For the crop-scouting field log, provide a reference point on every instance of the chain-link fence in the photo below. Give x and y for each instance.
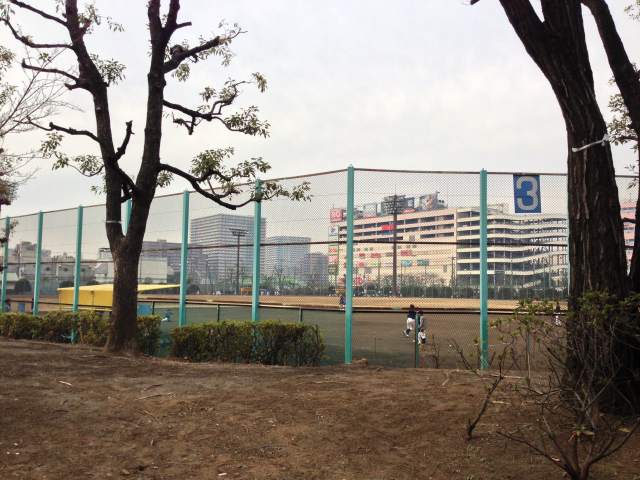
(417, 241)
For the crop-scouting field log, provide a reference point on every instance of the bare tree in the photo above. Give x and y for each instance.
(208, 174)
(37, 97)
(570, 427)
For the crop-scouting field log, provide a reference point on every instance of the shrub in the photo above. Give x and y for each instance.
(20, 326)
(270, 343)
(148, 334)
(91, 328)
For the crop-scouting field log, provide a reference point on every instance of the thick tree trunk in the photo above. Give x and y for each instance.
(596, 240)
(126, 257)
(629, 86)
(122, 336)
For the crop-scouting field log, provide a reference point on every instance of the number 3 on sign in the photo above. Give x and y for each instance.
(526, 193)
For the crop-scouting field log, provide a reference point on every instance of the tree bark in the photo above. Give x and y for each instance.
(629, 85)
(122, 335)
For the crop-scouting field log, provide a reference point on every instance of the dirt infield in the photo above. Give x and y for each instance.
(358, 302)
(70, 412)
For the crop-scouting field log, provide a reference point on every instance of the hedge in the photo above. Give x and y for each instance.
(90, 327)
(266, 342)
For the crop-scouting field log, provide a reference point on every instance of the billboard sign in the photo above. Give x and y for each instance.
(332, 269)
(333, 231)
(428, 202)
(526, 193)
(336, 215)
(369, 210)
(406, 263)
(423, 263)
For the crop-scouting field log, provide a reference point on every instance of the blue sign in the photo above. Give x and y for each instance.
(526, 194)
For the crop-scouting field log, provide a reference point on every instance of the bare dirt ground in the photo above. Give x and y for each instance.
(71, 412)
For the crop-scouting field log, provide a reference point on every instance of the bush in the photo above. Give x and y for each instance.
(91, 328)
(270, 343)
(20, 325)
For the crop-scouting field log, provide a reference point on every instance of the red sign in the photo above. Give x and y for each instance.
(362, 264)
(336, 214)
(376, 255)
(408, 210)
(406, 253)
(388, 227)
(362, 255)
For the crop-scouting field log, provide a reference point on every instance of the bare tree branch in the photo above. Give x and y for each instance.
(51, 70)
(28, 42)
(179, 57)
(26, 6)
(69, 130)
(195, 183)
(127, 136)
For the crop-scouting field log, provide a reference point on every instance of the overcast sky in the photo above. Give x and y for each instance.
(428, 85)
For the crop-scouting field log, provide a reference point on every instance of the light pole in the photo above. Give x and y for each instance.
(395, 247)
(238, 233)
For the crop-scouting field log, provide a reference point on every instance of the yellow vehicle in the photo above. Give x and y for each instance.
(100, 296)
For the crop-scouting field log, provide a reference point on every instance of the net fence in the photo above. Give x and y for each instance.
(416, 242)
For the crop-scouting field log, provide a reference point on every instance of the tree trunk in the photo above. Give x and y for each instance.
(122, 336)
(596, 240)
(629, 85)
(126, 257)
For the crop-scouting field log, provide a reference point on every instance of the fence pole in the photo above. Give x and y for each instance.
(184, 249)
(257, 237)
(5, 262)
(348, 304)
(78, 270)
(484, 278)
(127, 216)
(36, 282)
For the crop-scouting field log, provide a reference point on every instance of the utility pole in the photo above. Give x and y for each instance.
(453, 275)
(238, 233)
(395, 246)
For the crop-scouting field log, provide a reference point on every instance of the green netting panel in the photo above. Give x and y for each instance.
(21, 262)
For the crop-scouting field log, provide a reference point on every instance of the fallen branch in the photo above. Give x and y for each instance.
(155, 395)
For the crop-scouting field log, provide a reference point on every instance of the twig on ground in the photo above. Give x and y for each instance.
(155, 395)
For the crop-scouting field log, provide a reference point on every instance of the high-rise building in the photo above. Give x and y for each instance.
(628, 210)
(218, 237)
(172, 252)
(287, 256)
(317, 276)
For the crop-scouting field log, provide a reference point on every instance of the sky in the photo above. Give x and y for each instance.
(420, 85)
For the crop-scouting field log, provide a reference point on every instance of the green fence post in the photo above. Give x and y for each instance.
(78, 264)
(348, 304)
(484, 278)
(257, 236)
(184, 249)
(5, 262)
(36, 282)
(127, 216)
